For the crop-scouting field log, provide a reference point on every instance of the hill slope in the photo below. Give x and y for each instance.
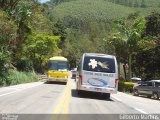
(91, 10)
(100, 9)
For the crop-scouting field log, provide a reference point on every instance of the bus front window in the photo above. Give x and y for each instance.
(58, 65)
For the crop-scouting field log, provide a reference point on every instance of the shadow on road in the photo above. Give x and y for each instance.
(55, 82)
(89, 95)
(143, 96)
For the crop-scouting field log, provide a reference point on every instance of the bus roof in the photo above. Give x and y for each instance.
(99, 54)
(58, 58)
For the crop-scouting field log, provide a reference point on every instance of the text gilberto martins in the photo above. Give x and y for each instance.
(138, 117)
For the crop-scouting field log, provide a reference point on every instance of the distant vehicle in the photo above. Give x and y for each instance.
(74, 73)
(136, 79)
(148, 88)
(58, 69)
(97, 73)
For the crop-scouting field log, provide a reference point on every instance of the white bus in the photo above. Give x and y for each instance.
(97, 73)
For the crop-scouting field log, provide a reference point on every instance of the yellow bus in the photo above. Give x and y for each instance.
(58, 69)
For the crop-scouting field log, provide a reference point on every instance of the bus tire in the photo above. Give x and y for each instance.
(48, 82)
(107, 95)
(79, 92)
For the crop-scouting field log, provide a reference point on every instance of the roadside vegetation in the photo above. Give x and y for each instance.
(16, 77)
(32, 32)
(126, 87)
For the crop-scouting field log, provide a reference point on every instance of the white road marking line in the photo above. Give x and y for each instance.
(140, 110)
(8, 93)
(18, 90)
(116, 98)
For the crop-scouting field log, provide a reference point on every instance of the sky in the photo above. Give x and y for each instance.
(43, 1)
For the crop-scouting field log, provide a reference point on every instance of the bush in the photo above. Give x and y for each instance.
(24, 65)
(16, 77)
(125, 86)
(3, 78)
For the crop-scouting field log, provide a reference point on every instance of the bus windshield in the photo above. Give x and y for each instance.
(58, 65)
(99, 64)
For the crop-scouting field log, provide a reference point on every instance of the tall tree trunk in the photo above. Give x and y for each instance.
(129, 69)
(118, 69)
(124, 69)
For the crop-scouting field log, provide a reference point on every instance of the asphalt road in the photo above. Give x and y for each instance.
(41, 101)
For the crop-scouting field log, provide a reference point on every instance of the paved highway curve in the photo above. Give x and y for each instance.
(56, 101)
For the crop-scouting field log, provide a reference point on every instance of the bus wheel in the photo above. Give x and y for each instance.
(107, 95)
(47, 82)
(79, 92)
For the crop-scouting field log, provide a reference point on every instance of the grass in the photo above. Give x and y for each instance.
(16, 77)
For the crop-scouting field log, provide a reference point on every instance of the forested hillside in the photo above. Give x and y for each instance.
(91, 22)
(26, 39)
(31, 32)
(89, 26)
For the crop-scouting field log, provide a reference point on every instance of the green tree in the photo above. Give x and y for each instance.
(143, 4)
(21, 14)
(130, 3)
(136, 4)
(60, 30)
(148, 66)
(153, 24)
(128, 37)
(8, 4)
(7, 36)
(39, 48)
